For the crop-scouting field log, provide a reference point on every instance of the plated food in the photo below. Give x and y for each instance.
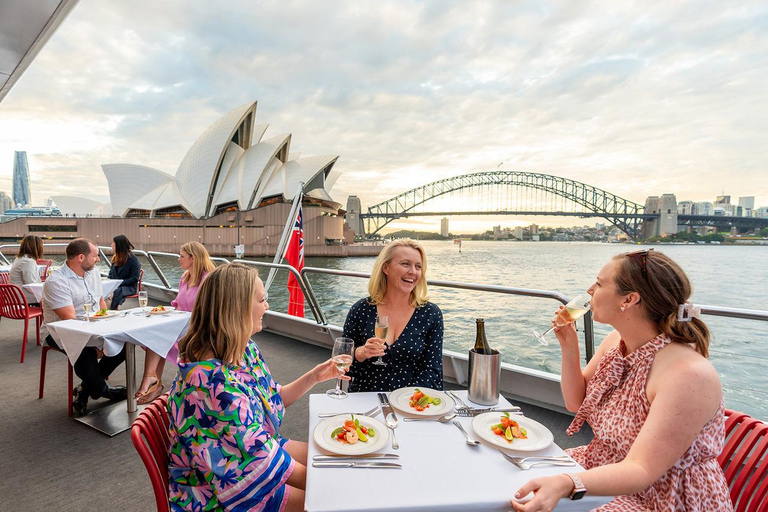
(532, 434)
(160, 310)
(430, 402)
(103, 313)
(326, 435)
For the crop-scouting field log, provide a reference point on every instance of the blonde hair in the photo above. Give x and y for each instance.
(662, 286)
(222, 318)
(377, 286)
(201, 263)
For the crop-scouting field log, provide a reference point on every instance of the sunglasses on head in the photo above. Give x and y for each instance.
(642, 257)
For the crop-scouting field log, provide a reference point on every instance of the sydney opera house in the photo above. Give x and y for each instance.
(232, 187)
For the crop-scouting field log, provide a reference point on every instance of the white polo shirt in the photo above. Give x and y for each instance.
(65, 288)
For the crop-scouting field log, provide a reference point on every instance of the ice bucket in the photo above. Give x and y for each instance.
(484, 377)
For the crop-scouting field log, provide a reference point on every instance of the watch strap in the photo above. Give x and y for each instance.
(578, 487)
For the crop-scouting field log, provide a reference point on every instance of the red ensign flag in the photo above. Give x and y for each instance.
(295, 256)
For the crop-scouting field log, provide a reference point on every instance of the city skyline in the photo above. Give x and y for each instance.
(600, 93)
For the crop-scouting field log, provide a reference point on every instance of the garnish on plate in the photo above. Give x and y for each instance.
(101, 312)
(352, 431)
(420, 401)
(158, 309)
(509, 429)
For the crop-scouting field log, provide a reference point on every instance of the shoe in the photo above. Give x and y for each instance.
(153, 392)
(115, 394)
(151, 377)
(80, 403)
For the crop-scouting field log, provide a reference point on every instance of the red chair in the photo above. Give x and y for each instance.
(744, 460)
(13, 305)
(44, 271)
(70, 379)
(138, 287)
(4, 276)
(149, 434)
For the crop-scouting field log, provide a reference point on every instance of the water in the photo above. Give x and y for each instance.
(722, 275)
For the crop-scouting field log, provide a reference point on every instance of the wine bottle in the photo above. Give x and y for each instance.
(481, 344)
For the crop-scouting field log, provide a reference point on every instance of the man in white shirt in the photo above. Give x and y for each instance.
(64, 293)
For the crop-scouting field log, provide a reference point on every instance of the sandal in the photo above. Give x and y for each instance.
(152, 376)
(153, 392)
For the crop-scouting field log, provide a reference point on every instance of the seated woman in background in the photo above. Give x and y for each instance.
(238, 461)
(124, 266)
(24, 267)
(196, 264)
(414, 340)
(652, 398)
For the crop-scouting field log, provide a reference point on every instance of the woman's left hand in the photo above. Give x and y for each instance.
(547, 492)
(328, 371)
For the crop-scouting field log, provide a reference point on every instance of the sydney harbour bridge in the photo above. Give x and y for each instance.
(524, 193)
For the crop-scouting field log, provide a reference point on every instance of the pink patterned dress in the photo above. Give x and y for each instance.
(616, 408)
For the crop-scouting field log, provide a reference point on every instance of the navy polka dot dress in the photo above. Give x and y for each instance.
(415, 359)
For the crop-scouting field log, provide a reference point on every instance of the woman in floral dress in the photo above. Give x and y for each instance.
(652, 398)
(226, 410)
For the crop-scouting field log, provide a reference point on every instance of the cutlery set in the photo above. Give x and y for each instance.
(357, 461)
(389, 418)
(526, 463)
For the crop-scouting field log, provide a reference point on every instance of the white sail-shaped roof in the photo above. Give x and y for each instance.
(232, 183)
(256, 166)
(286, 180)
(128, 183)
(199, 170)
(73, 205)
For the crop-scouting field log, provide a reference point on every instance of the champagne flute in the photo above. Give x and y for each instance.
(575, 309)
(88, 307)
(343, 348)
(382, 326)
(143, 299)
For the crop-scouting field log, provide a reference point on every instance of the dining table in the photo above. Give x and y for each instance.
(440, 470)
(107, 287)
(155, 331)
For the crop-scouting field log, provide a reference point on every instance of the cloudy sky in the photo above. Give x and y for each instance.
(637, 98)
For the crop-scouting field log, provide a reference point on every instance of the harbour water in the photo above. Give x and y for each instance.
(722, 275)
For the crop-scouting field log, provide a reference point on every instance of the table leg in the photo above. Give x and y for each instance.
(130, 376)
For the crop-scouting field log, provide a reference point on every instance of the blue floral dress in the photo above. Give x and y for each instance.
(226, 452)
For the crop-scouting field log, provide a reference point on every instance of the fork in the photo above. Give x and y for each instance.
(372, 412)
(459, 401)
(470, 413)
(554, 460)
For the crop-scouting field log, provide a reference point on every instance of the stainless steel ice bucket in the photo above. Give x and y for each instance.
(484, 377)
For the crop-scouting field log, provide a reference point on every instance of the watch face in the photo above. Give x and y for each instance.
(577, 495)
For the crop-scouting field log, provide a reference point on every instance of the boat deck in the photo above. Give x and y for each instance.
(50, 462)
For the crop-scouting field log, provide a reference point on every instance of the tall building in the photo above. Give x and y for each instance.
(685, 207)
(6, 203)
(723, 200)
(352, 217)
(702, 208)
(519, 232)
(21, 192)
(534, 229)
(666, 207)
(444, 226)
(747, 205)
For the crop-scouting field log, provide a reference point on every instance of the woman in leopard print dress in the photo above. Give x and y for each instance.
(652, 398)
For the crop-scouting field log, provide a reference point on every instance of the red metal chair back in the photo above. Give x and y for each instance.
(4, 277)
(744, 460)
(44, 271)
(149, 434)
(13, 303)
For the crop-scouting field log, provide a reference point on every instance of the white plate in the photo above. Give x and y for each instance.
(539, 436)
(110, 314)
(401, 398)
(325, 428)
(168, 309)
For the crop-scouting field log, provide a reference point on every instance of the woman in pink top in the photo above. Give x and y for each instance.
(196, 263)
(650, 394)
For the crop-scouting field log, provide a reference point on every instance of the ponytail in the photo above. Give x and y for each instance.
(693, 332)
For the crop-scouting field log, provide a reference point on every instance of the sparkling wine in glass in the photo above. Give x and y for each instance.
(381, 329)
(143, 299)
(88, 307)
(575, 309)
(343, 348)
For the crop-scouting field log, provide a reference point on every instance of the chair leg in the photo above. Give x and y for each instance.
(43, 359)
(24, 343)
(70, 386)
(38, 323)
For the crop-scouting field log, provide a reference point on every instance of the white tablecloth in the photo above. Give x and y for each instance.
(5, 269)
(107, 286)
(158, 333)
(440, 471)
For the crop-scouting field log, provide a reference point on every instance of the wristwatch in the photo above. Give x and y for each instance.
(578, 487)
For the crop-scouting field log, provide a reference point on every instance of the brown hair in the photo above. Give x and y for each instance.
(222, 320)
(79, 246)
(123, 248)
(663, 286)
(377, 285)
(201, 263)
(32, 246)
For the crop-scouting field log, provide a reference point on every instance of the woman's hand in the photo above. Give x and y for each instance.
(547, 492)
(328, 371)
(374, 347)
(566, 334)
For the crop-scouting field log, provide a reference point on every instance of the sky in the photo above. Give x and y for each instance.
(636, 98)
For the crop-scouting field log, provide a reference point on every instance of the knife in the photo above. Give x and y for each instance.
(390, 465)
(386, 407)
(376, 456)
(475, 412)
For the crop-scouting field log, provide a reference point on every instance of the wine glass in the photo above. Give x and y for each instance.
(343, 348)
(88, 307)
(575, 309)
(382, 326)
(143, 299)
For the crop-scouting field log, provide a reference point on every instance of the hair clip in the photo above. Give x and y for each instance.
(687, 312)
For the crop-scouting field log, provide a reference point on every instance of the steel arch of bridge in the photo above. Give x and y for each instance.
(621, 212)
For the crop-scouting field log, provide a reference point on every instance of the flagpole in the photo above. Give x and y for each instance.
(280, 252)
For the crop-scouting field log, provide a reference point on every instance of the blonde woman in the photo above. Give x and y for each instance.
(413, 347)
(238, 461)
(196, 264)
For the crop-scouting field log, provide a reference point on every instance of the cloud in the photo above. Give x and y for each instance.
(635, 99)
